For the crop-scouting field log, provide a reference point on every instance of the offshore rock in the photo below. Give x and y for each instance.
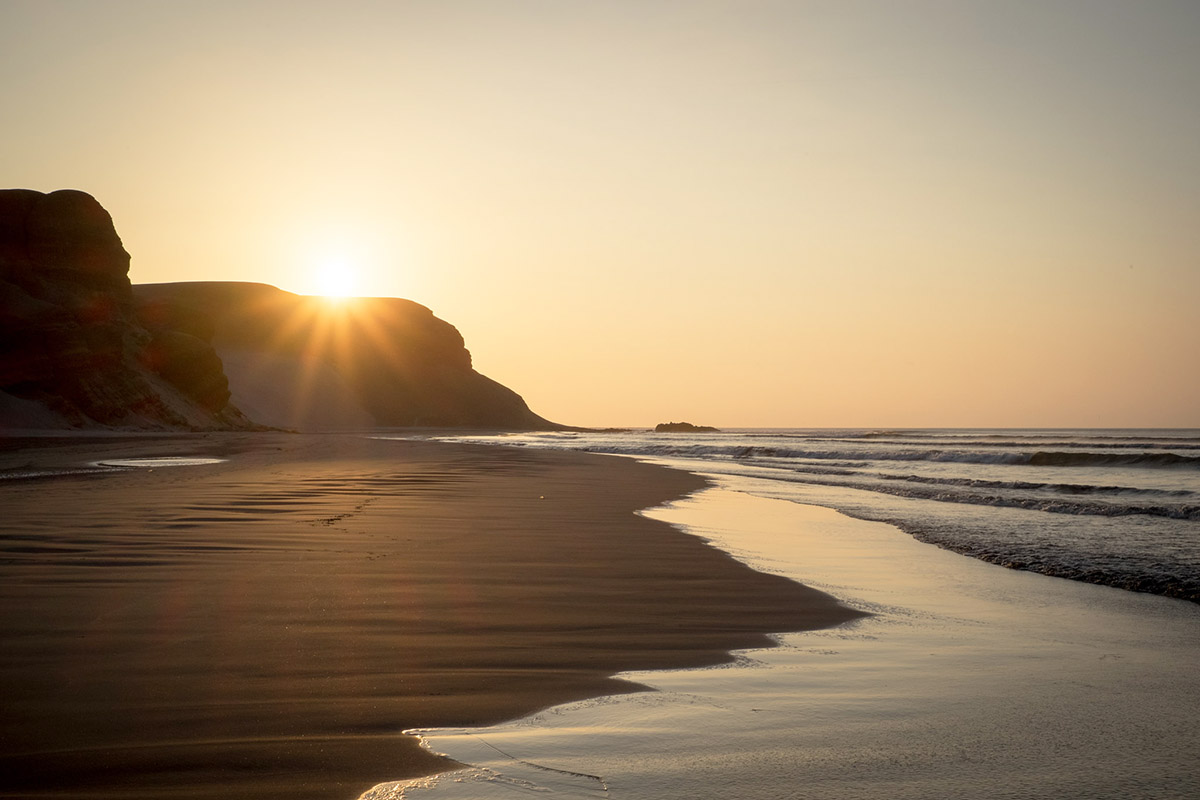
(683, 427)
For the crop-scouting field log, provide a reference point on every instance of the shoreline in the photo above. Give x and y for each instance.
(967, 680)
(268, 625)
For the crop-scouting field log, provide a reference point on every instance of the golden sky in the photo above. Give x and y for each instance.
(889, 213)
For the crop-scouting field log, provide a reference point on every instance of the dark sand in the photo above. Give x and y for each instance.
(266, 627)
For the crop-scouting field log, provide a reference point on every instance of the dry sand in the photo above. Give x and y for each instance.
(266, 627)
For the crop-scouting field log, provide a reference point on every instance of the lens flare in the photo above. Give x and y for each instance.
(336, 279)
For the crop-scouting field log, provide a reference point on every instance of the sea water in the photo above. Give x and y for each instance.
(968, 680)
(1116, 507)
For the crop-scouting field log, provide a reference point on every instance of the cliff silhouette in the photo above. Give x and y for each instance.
(80, 347)
(72, 350)
(305, 362)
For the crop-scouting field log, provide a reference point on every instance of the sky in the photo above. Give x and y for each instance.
(842, 213)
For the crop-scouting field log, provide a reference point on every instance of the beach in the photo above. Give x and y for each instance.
(967, 680)
(622, 401)
(267, 624)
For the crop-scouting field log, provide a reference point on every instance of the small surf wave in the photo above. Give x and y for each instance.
(1039, 458)
(1028, 486)
(1161, 578)
(1084, 459)
(945, 493)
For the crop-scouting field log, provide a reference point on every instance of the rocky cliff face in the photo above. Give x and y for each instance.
(304, 362)
(73, 352)
(80, 347)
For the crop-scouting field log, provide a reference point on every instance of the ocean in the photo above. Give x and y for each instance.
(1115, 507)
(1072, 676)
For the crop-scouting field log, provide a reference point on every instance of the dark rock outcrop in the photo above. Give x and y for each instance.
(683, 427)
(80, 347)
(73, 352)
(304, 362)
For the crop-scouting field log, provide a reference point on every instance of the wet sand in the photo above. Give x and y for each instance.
(968, 681)
(266, 626)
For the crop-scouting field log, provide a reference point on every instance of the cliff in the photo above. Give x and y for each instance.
(73, 352)
(80, 347)
(305, 362)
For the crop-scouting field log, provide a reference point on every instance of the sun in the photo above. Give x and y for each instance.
(336, 279)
